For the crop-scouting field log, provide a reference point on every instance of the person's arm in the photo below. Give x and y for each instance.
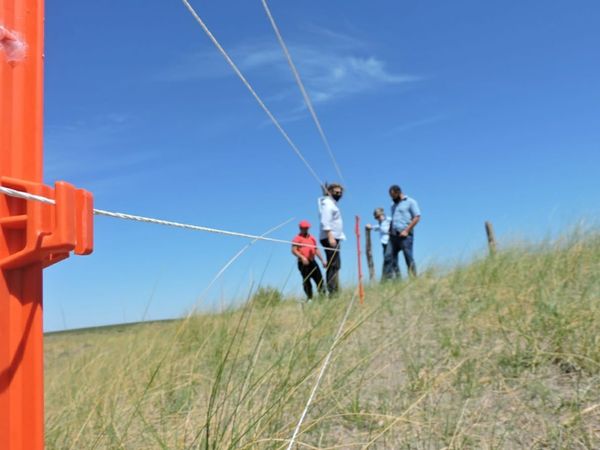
(411, 225)
(331, 238)
(318, 255)
(326, 219)
(300, 256)
(416, 216)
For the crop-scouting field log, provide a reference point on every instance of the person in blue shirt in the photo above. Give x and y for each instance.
(383, 226)
(405, 216)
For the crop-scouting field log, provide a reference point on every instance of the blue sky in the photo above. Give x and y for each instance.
(479, 110)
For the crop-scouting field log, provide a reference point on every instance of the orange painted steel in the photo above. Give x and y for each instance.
(361, 289)
(33, 235)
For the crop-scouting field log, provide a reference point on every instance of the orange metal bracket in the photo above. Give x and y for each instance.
(43, 232)
(33, 235)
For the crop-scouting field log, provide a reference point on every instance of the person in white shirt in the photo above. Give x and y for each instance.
(383, 226)
(332, 233)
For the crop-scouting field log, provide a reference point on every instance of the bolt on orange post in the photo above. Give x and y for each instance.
(32, 235)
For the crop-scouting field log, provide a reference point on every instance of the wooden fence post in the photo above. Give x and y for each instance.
(369, 253)
(489, 230)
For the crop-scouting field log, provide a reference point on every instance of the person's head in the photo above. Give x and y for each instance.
(395, 193)
(304, 226)
(379, 214)
(335, 190)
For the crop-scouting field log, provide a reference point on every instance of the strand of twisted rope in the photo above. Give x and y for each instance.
(117, 215)
(252, 91)
(322, 372)
(240, 253)
(305, 95)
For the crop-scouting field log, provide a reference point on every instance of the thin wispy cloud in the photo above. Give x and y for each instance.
(416, 124)
(335, 67)
(93, 151)
(335, 38)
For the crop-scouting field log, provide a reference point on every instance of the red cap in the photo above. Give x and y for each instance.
(304, 224)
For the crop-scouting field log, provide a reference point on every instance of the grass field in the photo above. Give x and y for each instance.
(502, 353)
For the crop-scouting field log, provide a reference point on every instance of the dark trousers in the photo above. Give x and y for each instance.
(334, 264)
(311, 272)
(395, 268)
(396, 245)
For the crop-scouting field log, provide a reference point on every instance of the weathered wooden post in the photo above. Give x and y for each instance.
(489, 230)
(369, 253)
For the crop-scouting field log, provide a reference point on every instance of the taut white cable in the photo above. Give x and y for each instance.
(26, 196)
(252, 91)
(240, 253)
(322, 371)
(307, 99)
(118, 215)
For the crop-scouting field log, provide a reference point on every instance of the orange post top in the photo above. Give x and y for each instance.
(21, 84)
(32, 235)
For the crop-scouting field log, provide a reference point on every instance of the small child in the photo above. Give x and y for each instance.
(383, 226)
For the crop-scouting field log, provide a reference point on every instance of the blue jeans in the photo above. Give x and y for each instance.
(396, 245)
(395, 268)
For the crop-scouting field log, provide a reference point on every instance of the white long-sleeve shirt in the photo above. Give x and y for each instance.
(331, 219)
(384, 230)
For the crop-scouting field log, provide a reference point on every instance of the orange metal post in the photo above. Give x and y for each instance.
(32, 235)
(361, 289)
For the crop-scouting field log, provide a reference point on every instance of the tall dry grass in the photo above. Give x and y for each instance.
(502, 353)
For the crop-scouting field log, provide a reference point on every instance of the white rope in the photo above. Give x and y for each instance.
(117, 215)
(322, 372)
(307, 99)
(26, 196)
(252, 91)
(240, 253)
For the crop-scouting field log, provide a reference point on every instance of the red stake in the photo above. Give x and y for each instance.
(32, 235)
(361, 290)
